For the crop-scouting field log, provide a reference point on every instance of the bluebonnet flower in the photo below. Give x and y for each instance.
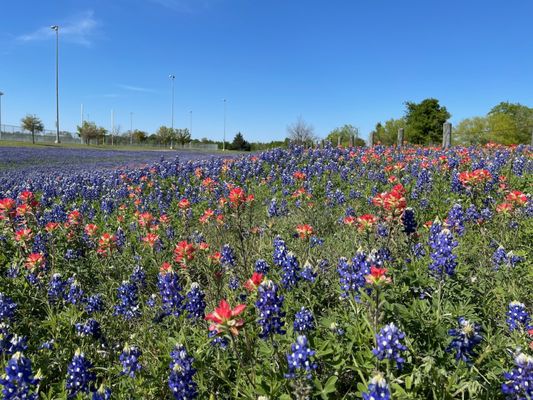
(517, 316)
(218, 340)
(80, 379)
(378, 389)
(120, 237)
(472, 214)
(234, 282)
(288, 263)
(227, 256)
(308, 274)
(195, 302)
(7, 308)
(181, 381)
(75, 292)
(261, 267)
(316, 241)
(129, 358)
(170, 290)
(304, 321)
(56, 288)
(151, 300)
(382, 230)
(18, 382)
(409, 221)
(48, 345)
(138, 276)
(269, 305)
(456, 219)
(128, 303)
(94, 304)
(465, 339)
(518, 165)
(300, 359)
(10, 343)
(276, 209)
(418, 250)
(102, 393)
(352, 275)
(389, 342)
(518, 383)
(90, 328)
(442, 243)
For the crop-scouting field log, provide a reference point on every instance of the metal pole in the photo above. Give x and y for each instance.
(172, 77)
(81, 115)
(56, 28)
(1, 94)
(190, 130)
(112, 125)
(131, 128)
(224, 138)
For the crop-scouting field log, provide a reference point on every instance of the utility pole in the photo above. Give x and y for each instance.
(112, 125)
(224, 137)
(56, 28)
(131, 128)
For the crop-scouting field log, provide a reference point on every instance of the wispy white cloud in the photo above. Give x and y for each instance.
(79, 29)
(136, 88)
(185, 6)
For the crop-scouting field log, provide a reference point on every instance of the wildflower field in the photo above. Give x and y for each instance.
(334, 273)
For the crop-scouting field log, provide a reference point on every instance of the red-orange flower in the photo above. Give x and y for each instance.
(349, 220)
(252, 283)
(74, 217)
(377, 275)
(223, 318)
(504, 208)
(184, 252)
(366, 222)
(474, 178)
(304, 231)
(34, 260)
(51, 226)
(299, 175)
(90, 229)
(151, 239)
(517, 197)
(206, 216)
(184, 204)
(23, 235)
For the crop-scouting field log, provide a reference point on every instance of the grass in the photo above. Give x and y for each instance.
(10, 143)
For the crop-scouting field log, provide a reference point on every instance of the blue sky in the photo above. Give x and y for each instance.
(330, 62)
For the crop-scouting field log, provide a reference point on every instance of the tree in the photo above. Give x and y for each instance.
(33, 124)
(165, 134)
(239, 143)
(472, 131)
(521, 117)
(388, 134)
(424, 121)
(88, 131)
(301, 132)
(344, 133)
(139, 136)
(183, 136)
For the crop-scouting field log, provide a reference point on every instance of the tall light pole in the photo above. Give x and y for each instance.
(131, 128)
(190, 122)
(224, 138)
(1, 94)
(172, 77)
(56, 28)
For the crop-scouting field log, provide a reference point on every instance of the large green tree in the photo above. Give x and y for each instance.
(183, 136)
(344, 133)
(387, 133)
(424, 121)
(522, 121)
(165, 134)
(88, 131)
(33, 124)
(239, 143)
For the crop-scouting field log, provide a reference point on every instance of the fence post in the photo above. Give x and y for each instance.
(446, 135)
(371, 139)
(338, 140)
(351, 140)
(400, 137)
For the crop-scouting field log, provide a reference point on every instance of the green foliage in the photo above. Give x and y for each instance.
(387, 134)
(89, 131)
(165, 134)
(343, 135)
(239, 143)
(139, 136)
(33, 124)
(521, 118)
(424, 121)
(183, 136)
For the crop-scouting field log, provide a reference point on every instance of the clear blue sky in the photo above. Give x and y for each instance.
(331, 62)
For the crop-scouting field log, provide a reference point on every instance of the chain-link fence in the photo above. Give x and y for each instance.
(19, 134)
